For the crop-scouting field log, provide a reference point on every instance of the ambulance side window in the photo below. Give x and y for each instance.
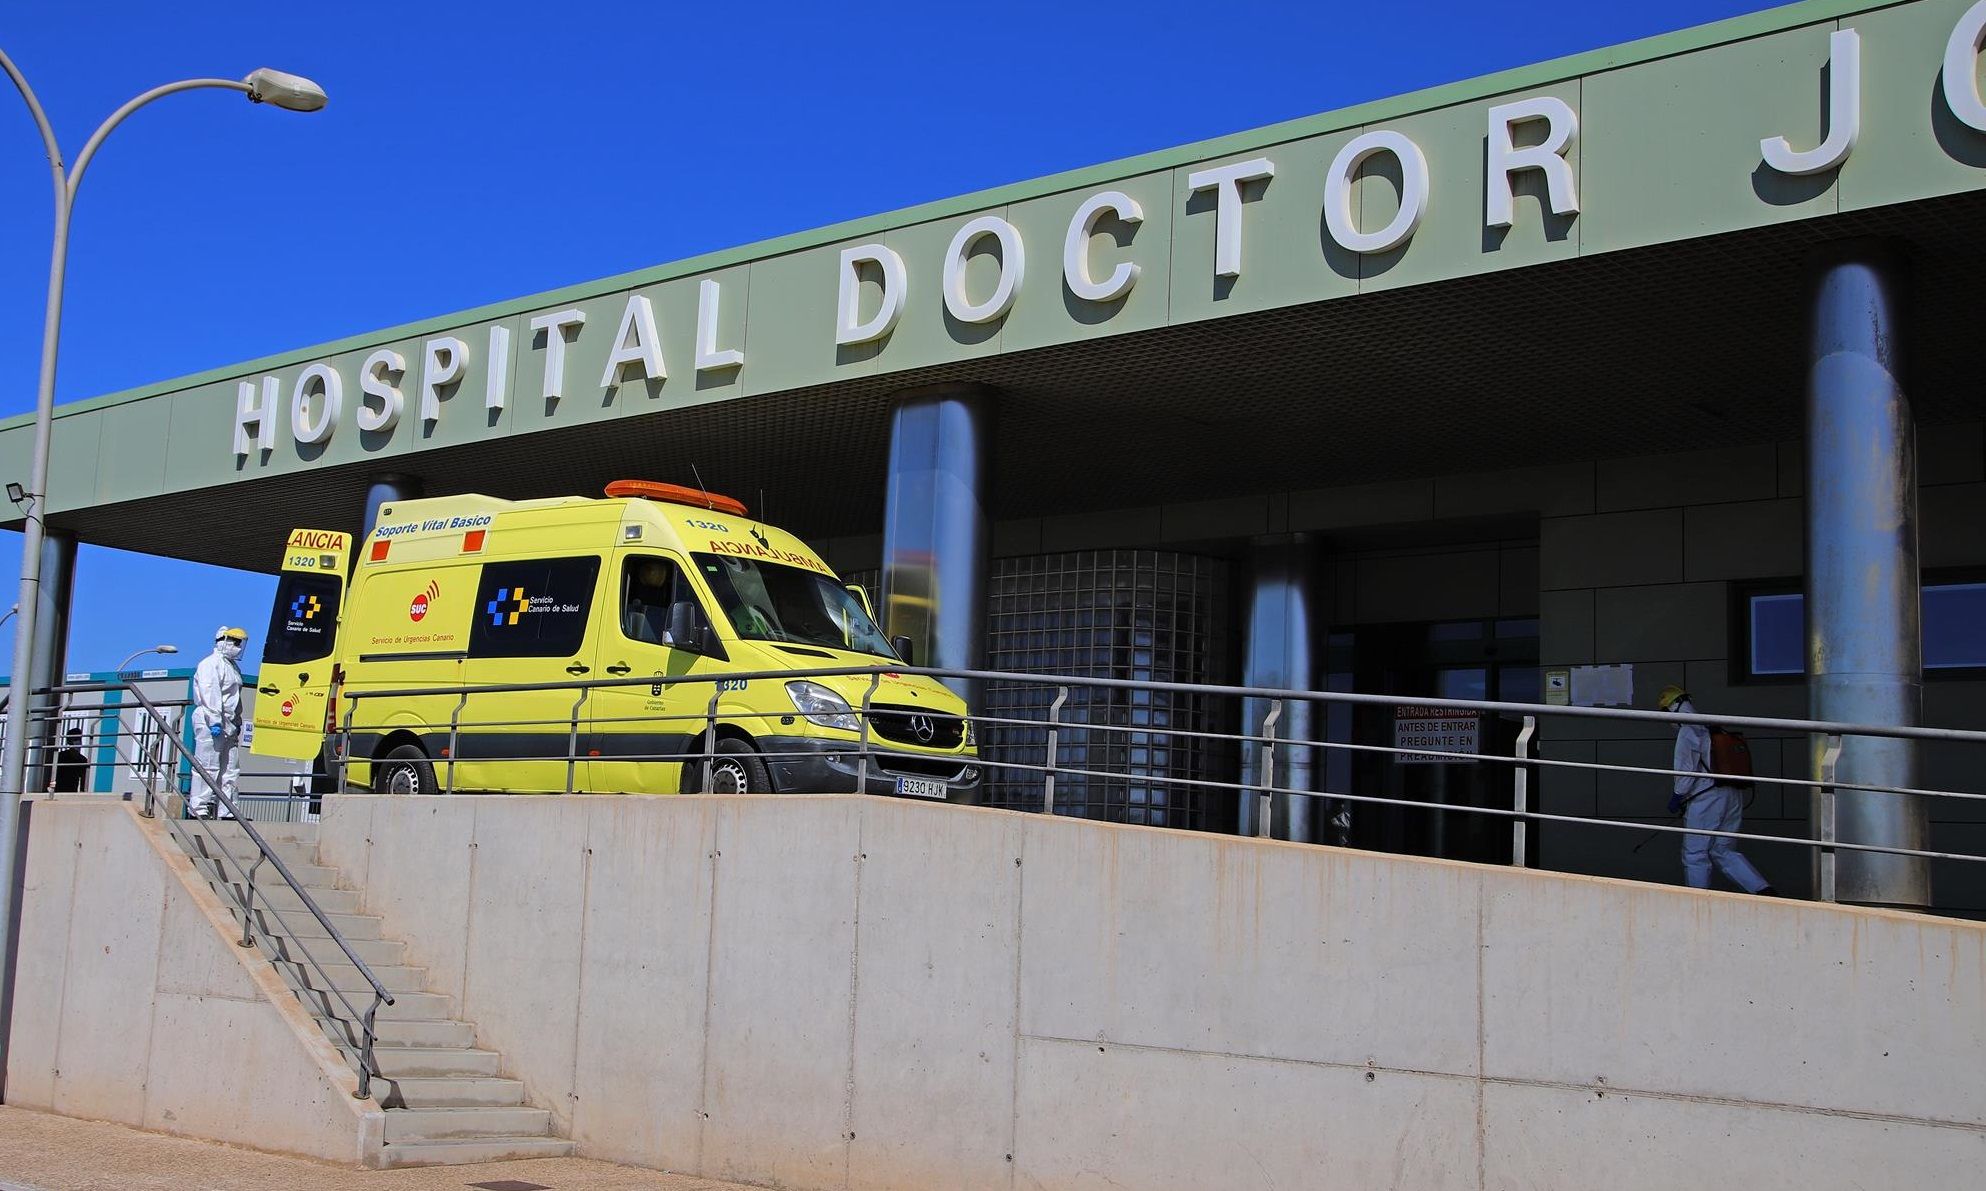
(650, 585)
(304, 622)
(534, 608)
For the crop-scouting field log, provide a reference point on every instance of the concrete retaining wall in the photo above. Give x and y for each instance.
(131, 1003)
(839, 992)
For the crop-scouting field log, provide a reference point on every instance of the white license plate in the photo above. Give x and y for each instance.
(920, 787)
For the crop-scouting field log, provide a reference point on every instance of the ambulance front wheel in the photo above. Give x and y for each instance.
(403, 770)
(734, 769)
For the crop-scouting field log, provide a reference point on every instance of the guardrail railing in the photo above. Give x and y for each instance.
(202, 840)
(692, 733)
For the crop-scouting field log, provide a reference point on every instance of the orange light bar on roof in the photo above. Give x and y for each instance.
(676, 494)
(379, 549)
(473, 541)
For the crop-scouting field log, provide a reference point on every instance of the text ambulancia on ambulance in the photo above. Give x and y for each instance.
(656, 581)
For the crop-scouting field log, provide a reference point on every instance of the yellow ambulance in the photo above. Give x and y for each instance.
(471, 592)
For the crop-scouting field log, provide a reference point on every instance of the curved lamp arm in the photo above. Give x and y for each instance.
(48, 142)
(95, 142)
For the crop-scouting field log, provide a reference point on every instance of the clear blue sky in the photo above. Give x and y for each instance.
(477, 152)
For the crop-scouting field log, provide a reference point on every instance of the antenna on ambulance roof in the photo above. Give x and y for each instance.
(701, 487)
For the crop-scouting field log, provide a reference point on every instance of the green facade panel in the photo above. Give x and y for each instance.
(793, 314)
(1285, 260)
(1047, 312)
(1452, 239)
(927, 333)
(131, 459)
(1672, 147)
(1915, 147)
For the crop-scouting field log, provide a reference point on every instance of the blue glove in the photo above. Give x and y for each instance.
(1676, 802)
(215, 729)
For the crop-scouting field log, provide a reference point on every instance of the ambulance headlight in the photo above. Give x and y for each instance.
(822, 706)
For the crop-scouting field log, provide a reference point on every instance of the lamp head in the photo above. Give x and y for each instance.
(16, 493)
(165, 649)
(292, 92)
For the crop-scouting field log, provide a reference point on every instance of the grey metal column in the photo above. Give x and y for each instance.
(1864, 645)
(1277, 652)
(51, 647)
(935, 537)
(384, 490)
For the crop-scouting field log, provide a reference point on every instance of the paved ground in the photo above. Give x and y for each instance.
(39, 1152)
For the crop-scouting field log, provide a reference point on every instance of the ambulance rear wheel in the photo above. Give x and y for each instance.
(403, 770)
(735, 769)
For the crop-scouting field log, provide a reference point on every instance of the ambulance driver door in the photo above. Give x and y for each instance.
(647, 735)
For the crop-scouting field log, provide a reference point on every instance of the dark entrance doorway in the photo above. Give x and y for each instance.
(1490, 658)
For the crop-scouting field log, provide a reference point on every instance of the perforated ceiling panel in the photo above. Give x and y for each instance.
(1664, 349)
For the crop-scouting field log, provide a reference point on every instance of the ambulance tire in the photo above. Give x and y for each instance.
(736, 769)
(403, 770)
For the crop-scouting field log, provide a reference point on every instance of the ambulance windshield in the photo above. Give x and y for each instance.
(767, 601)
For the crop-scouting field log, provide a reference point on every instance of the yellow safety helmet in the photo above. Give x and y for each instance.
(1670, 696)
(224, 633)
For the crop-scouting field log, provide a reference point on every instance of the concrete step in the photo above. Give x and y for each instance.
(266, 877)
(467, 1150)
(331, 901)
(373, 951)
(402, 1061)
(200, 841)
(273, 831)
(405, 1033)
(448, 1124)
(413, 1006)
(449, 1091)
(301, 923)
(398, 978)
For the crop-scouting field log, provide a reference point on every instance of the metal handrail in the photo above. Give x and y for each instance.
(1764, 723)
(866, 753)
(368, 1065)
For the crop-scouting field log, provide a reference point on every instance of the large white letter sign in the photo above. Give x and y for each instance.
(635, 343)
(496, 386)
(441, 366)
(318, 380)
(1225, 181)
(1076, 246)
(553, 326)
(1013, 268)
(708, 357)
(1561, 125)
(259, 412)
(1962, 69)
(847, 329)
(1338, 192)
(373, 384)
(1844, 113)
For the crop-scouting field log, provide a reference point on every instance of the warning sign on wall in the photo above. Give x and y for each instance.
(1445, 729)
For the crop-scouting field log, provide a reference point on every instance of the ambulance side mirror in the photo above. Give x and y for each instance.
(684, 629)
(903, 650)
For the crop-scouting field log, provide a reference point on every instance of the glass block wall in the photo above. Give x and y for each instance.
(1135, 614)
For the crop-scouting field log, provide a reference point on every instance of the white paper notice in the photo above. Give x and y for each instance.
(1603, 686)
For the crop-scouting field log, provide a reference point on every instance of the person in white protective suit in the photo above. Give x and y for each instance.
(1707, 804)
(217, 723)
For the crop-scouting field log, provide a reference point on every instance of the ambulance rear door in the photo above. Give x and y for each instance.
(298, 653)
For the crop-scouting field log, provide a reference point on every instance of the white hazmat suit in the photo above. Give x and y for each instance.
(1709, 806)
(216, 704)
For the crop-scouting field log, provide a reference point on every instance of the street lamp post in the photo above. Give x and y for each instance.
(288, 91)
(142, 652)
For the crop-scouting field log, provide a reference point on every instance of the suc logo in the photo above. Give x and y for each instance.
(419, 607)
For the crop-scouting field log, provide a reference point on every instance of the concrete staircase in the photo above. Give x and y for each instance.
(446, 1100)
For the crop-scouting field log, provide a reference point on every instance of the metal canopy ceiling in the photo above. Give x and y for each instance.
(1670, 348)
